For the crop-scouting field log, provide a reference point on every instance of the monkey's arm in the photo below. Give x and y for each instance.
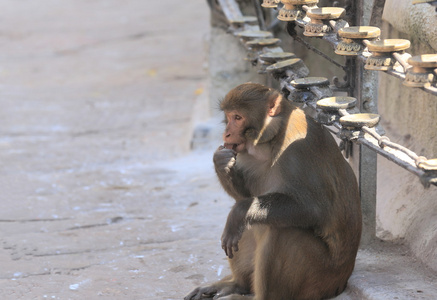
(281, 210)
(230, 178)
(275, 209)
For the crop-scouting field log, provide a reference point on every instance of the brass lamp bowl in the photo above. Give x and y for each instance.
(360, 120)
(336, 103)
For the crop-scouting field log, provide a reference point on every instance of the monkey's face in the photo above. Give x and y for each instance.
(233, 136)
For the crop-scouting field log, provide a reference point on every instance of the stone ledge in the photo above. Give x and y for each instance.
(388, 271)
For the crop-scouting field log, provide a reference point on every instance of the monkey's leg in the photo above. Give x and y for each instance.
(240, 282)
(242, 264)
(293, 263)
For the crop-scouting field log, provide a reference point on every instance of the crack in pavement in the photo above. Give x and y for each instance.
(33, 220)
(111, 249)
(75, 50)
(19, 275)
(56, 271)
(110, 221)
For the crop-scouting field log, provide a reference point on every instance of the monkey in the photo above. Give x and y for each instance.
(295, 227)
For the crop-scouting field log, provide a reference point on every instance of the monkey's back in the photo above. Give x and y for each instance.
(324, 176)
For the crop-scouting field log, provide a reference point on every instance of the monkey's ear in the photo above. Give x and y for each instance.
(275, 106)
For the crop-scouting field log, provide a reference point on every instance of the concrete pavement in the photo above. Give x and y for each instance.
(96, 101)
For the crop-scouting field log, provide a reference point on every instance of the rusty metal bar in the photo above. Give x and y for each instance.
(297, 38)
(259, 14)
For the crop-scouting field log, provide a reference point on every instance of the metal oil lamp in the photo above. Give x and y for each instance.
(257, 46)
(331, 106)
(248, 35)
(357, 121)
(382, 53)
(270, 3)
(239, 23)
(293, 9)
(352, 38)
(290, 69)
(320, 17)
(309, 89)
(269, 58)
(429, 166)
(421, 71)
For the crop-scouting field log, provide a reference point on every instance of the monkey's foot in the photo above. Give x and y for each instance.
(219, 290)
(238, 297)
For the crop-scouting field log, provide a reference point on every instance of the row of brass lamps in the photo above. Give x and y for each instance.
(381, 55)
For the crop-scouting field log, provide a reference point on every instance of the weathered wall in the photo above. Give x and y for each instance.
(227, 66)
(405, 210)
(418, 21)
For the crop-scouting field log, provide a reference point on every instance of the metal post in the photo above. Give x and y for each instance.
(366, 91)
(367, 178)
(259, 14)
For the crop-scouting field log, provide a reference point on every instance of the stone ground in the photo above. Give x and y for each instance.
(101, 196)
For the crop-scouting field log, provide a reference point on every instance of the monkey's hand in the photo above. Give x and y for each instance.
(234, 228)
(224, 160)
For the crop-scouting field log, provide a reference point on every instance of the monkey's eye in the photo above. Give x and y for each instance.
(238, 117)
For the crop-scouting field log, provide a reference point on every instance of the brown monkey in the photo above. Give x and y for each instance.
(295, 228)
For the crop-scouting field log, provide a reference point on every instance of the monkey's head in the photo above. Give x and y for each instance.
(249, 111)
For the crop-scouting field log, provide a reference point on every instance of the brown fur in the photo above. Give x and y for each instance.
(295, 228)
